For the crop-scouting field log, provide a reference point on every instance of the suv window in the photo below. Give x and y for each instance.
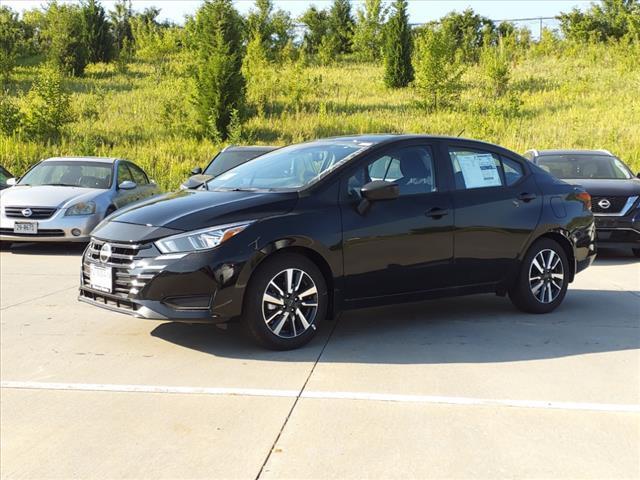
(410, 167)
(475, 168)
(138, 175)
(123, 173)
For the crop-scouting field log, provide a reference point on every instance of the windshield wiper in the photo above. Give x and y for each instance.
(61, 185)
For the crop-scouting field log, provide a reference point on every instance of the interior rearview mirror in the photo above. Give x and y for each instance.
(196, 171)
(11, 182)
(376, 191)
(127, 185)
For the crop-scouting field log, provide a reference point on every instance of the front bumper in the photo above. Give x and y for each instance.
(57, 228)
(620, 232)
(195, 287)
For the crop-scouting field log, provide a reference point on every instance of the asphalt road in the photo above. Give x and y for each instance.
(456, 388)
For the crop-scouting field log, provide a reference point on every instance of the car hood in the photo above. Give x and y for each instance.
(196, 181)
(190, 210)
(46, 196)
(609, 188)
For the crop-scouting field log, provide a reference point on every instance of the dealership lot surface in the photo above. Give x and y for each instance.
(456, 388)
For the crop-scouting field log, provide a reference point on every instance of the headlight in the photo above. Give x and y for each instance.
(82, 208)
(204, 239)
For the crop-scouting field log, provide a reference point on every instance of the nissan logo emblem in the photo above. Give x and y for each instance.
(105, 253)
(604, 203)
(27, 212)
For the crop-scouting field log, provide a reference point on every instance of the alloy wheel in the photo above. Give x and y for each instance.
(546, 276)
(290, 303)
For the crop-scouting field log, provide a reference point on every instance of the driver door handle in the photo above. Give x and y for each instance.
(437, 212)
(527, 197)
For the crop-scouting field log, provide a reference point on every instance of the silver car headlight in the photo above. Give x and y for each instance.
(82, 208)
(204, 239)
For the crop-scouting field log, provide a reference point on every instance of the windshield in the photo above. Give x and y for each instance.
(70, 173)
(287, 168)
(227, 160)
(584, 166)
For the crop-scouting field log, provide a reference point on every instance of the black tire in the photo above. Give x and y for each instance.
(636, 252)
(526, 293)
(292, 333)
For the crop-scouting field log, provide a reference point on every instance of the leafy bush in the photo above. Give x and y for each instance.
(273, 27)
(317, 26)
(398, 70)
(47, 106)
(368, 34)
(470, 31)
(496, 66)
(220, 86)
(608, 19)
(9, 115)
(98, 32)
(438, 68)
(65, 34)
(341, 26)
(11, 37)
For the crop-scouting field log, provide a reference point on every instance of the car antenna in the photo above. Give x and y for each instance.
(460, 133)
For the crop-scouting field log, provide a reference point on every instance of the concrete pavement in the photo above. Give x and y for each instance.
(455, 388)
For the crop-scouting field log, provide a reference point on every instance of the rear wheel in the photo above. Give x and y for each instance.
(285, 301)
(543, 280)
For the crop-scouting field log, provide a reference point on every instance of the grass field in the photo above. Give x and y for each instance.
(580, 97)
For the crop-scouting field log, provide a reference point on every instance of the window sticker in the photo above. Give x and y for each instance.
(479, 170)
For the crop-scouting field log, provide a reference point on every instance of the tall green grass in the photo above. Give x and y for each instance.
(572, 97)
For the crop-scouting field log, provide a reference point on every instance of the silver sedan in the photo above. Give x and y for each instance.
(63, 199)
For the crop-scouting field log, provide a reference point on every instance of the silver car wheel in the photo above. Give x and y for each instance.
(546, 276)
(290, 303)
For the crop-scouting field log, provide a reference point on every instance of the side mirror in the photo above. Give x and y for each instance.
(127, 185)
(376, 191)
(152, 181)
(11, 182)
(196, 171)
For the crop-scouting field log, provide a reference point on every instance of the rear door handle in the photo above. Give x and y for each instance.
(437, 212)
(527, 197)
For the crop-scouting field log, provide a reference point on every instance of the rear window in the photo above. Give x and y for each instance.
(584, 166)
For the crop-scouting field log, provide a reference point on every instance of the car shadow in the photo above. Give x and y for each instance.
(26, 248)
(614, 256)
(474, 329)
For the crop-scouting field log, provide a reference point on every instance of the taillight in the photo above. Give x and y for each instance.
(585, 198)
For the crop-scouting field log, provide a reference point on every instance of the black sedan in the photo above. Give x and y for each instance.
(299, 234)
(614, 189)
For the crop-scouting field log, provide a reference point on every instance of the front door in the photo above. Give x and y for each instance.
(397, 246)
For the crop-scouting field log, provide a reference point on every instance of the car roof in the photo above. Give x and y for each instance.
(250, 148)
(542, 153)
(392, 137)
(84, 159)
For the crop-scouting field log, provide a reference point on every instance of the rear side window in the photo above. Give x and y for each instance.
(512, 171)
(475, 169)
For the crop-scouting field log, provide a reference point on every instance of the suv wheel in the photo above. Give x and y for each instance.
(543, 280)
(285, 301)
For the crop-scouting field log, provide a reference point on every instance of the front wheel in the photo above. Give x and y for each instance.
(542, 283)
(285, 302)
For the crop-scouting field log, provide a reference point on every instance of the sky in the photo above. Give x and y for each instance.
(420, 11)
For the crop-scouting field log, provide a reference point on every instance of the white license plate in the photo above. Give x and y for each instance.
(100, 278)
(25, 227)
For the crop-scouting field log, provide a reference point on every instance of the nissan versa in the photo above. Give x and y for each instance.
(296, 235)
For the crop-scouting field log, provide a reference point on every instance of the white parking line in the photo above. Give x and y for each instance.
(322, 395)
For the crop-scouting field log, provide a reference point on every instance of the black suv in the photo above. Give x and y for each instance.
(228, 158)
(614, 189)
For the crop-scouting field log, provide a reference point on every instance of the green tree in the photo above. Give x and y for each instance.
(496, 65)
(9, 115)
(120, 18)
(257, 72)
(47, 106)
(65, 36)
(470, 31)
(317, 23)
(608, 19)
(341, 25)
(368, 33)
(11, 38)
(398, 70)
(438, 68)
(274, 28)
(219, 82)
(98, 31)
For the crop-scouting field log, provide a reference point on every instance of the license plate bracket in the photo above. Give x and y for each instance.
(101, 278)
(30, 228)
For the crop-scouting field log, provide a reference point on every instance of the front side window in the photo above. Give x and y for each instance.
(288, 168)
(69, 173)
(584, 166)
(138, 175)
(410, 167)
(124, 174)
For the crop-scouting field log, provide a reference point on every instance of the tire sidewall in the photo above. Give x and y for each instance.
(252, 312)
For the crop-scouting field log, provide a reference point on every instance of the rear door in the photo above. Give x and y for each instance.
(497, 206)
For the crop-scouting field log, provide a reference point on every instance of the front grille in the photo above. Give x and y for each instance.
(617, 204)
(126, 279)
(42, 232)
(37, 213)
(109, 300)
